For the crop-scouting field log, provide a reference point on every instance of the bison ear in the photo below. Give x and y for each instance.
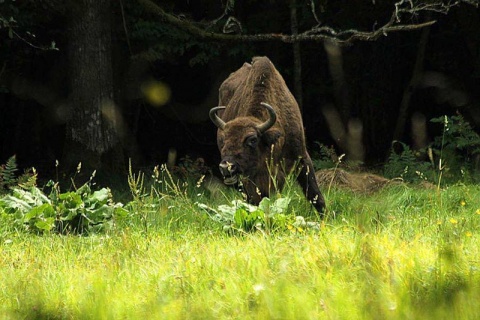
(271, 136)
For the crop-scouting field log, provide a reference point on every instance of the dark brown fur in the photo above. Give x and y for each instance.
(283, 144)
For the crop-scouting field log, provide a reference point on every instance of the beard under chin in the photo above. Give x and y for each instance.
(236, 179)
(231, 180)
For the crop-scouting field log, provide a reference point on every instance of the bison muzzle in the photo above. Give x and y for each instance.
(260, 133)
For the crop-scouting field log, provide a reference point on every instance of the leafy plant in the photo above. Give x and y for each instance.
(9, 179)
(7, 173)
(406, 165)
(325, 157)
(268, 215)
(451, 154)
(79, 211)
(459, 134)
(458, 146)
(163, 197)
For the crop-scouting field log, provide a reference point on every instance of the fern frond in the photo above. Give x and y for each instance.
(7, 173)
(28, 179)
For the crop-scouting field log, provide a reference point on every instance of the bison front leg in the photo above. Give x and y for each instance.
(309, 184)
(254, 196)
(261, 186)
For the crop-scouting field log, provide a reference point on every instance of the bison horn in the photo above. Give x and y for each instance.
(216, 119)
(270, 122)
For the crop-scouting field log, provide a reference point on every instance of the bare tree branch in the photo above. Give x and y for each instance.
(10, 24)
(438, 6)
(229, 6)
(317, 33)
(314, 13)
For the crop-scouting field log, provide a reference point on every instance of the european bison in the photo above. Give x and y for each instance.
(260, 133)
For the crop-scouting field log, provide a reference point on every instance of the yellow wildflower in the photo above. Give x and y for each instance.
(291, 228)
(453, 221)
(463, 203)
(478, 211)
(468, 234)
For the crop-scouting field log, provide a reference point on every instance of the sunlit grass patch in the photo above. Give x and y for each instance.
(404, 252)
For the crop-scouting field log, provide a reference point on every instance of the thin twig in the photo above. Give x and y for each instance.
(125, 28)
(31, 44)
(315, 34)
(3, 68)
(314, 13)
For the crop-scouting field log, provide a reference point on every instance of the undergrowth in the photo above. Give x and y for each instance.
(80, 210)
(180, 249)
(452, 156)
(404, 252)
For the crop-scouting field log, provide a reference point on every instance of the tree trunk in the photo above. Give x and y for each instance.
(92, 131)
(335, 64)
(412, 85)
(297, 59)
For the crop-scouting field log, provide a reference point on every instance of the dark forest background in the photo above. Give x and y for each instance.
(105, 81)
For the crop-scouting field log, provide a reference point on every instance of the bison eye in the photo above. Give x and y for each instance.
(251, 141)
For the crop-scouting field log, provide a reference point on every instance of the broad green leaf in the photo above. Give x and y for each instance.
(15, 203)
(84, 190)
(226, 210)
(239, 217)
(280, 205)
(98, 198)
(45, 210)
(264, 205)
(70, 200)
(69, 214)
(100, 213)
(46, 224)
(23, 195)
(257, 215)
(120, 212)
(39, 195)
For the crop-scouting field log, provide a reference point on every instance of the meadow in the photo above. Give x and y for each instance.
(404, 252)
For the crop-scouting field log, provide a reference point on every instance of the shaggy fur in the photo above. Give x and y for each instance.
(282, 146)
(364, 183)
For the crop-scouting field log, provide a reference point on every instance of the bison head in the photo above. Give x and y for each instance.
(244, 143)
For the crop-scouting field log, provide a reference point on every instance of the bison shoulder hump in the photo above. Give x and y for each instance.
(263, 65)
(233, 82)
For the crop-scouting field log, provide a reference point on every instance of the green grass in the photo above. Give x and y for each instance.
(402, 253)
